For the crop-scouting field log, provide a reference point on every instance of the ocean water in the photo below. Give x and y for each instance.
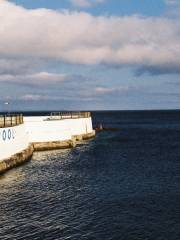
(122, 185)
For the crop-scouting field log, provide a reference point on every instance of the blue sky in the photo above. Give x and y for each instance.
(112, 7)
(90, 54)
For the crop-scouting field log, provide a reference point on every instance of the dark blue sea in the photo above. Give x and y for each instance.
(122, 185)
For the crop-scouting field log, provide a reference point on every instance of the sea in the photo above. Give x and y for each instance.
(122, 185)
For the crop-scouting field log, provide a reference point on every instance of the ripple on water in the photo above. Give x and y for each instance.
(121, 185)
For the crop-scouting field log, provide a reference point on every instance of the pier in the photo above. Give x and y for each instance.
(21, 136)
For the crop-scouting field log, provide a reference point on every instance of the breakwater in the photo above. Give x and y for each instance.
(20, 137)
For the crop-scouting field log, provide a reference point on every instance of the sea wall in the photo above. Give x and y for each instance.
(14, 147)
(80, 126)
(51, 133)
(81, 129)
(39, 129)
(20, 137)
(12, 140)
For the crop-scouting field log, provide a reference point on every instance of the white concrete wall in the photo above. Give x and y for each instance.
(37, 129)
(12, 141)
(40, 130)
(80, 126)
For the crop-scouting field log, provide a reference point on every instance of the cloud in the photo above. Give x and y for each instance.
(103, 90)
(92, 94)
(151, 44)
(173, 9)
(111, 91)
(15, 66)
(172, 2)
(32, 97)
(39, 78)
(37, 97)
(86, 3)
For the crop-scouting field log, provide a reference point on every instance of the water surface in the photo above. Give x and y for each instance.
(121, 185)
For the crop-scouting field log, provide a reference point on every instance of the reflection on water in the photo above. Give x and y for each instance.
(121, 185)
(32, 195)
(44, 155)
(11, 178)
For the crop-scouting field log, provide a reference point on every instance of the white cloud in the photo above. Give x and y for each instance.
(38, 78)
(100, 91)
(37, 97)
(76, 37)
(32, 97)
(172, 2)
(103, 90)
(86, 3)
(81, 3)
(16, 66)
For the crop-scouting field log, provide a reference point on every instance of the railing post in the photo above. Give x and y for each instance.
(70, 115)
(10, 120)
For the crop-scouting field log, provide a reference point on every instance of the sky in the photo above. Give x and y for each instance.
(89, 54)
